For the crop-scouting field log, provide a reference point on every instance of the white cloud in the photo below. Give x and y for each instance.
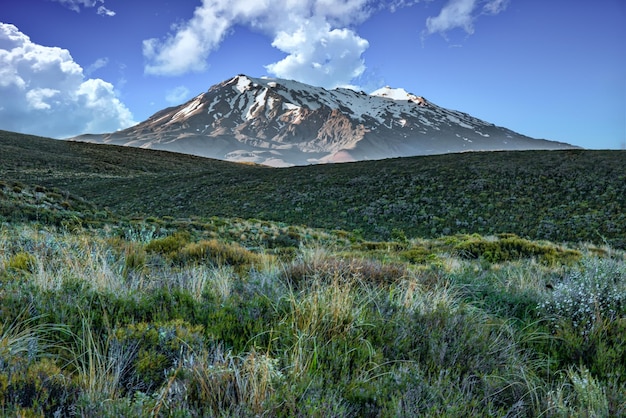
(317, 36)
(95, 66)
(103, 11)
(319, 55)
(37, 97)
(320, 48)
(187, 49)
(493, 7)
(44, 92)
(455, 14)
(177, 95)
(76, 5)
(461, 14)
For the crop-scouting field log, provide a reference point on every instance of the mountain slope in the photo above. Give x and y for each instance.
(281, 123)
(566, 195)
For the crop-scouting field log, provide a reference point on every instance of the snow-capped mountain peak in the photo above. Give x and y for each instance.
(391, 93)
(284, 122)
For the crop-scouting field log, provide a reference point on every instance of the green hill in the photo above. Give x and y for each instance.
(573, 195)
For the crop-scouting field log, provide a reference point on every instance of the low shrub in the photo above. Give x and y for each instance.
(382, 245)
(588, 295)
(418, 255)
(510, 247)
(327, 269)
(42, 389)
(169, 246)
(217, 252)
(160, 347)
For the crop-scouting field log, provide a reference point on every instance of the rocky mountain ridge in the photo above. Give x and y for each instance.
(280, 122)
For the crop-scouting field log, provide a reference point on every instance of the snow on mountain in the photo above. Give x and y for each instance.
(283, 122)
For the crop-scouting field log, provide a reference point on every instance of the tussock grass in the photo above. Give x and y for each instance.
(183, 320)
(98, 363)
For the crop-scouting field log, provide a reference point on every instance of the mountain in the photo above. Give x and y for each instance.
(280, 122)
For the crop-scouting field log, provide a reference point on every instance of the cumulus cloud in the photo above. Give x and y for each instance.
(320, 46)
(461, 14)
(320, 55)
(44, 92)
(317, 36)
(76, 5)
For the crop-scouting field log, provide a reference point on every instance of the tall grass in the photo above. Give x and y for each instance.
(99, 364)
(197, 325)
(25, 338)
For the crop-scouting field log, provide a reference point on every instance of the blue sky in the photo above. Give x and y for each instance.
(548, 69)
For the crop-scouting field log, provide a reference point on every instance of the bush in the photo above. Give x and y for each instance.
(586, 296)
(511, 247)
(162, 345)
(217, 252)
(42, 389)
(327, 269)
(168, 246)
(418, 255)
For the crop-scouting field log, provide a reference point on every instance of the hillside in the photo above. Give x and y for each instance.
(569, 195)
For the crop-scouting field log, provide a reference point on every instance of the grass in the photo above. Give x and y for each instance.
(336, 326)
(142, 301)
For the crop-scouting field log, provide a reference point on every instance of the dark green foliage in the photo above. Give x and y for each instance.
(160, 345)
(562, 196)
(511, 247)
(241, 322)
(40, 388)
(417, 255)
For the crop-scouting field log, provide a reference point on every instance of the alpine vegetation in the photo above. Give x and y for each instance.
(184, 321)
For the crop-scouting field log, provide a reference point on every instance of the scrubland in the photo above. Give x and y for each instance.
(252, 318)
(138, 283)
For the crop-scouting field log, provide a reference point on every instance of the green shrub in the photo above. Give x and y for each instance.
(42, 389)
(418, 255)
(160, 346)
(217, 252)
(382, 246)
(510, 247)
(168, 246)
(240, 321)
(586, 296)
